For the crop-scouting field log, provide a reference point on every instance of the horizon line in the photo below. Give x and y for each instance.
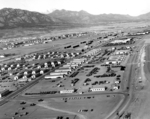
(73, 11)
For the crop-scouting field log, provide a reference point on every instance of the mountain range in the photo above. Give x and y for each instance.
(13, 18)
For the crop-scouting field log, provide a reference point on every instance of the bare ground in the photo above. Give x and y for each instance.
(47, 106)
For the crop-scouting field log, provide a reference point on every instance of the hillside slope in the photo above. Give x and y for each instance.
(86, 18)
(10, 18)
(14, 18)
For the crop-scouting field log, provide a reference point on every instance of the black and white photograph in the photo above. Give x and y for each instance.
(74, 59)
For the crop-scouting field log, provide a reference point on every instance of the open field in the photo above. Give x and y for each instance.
(98, 111)
(51, 108)
(126, 27)
(15, 109)
(52, 46)
(48, 31)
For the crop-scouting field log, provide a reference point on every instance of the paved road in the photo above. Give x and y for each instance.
(130, 83)
(119, 112)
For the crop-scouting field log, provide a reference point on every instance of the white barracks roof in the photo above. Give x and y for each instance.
(120, 41)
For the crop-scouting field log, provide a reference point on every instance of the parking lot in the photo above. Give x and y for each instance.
(100, 71)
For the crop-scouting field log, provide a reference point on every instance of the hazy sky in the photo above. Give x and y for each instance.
(131, 7)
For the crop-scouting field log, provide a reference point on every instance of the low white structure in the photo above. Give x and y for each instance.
(115, 59)
(76, 62)
(113, 62)
(115, 88)
(63, 70)
(19, 58)
(2, 56)
(117, 82)
(82, 59)
(53, 76)
(59, 73)
(73, 63)
(22, 79)
(121, 52)
(69, 66)
(66, 91)
(97, 89)
(121, 41)
(92, 52)
(142, 33)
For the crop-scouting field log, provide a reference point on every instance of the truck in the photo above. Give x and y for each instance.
(4, 93)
